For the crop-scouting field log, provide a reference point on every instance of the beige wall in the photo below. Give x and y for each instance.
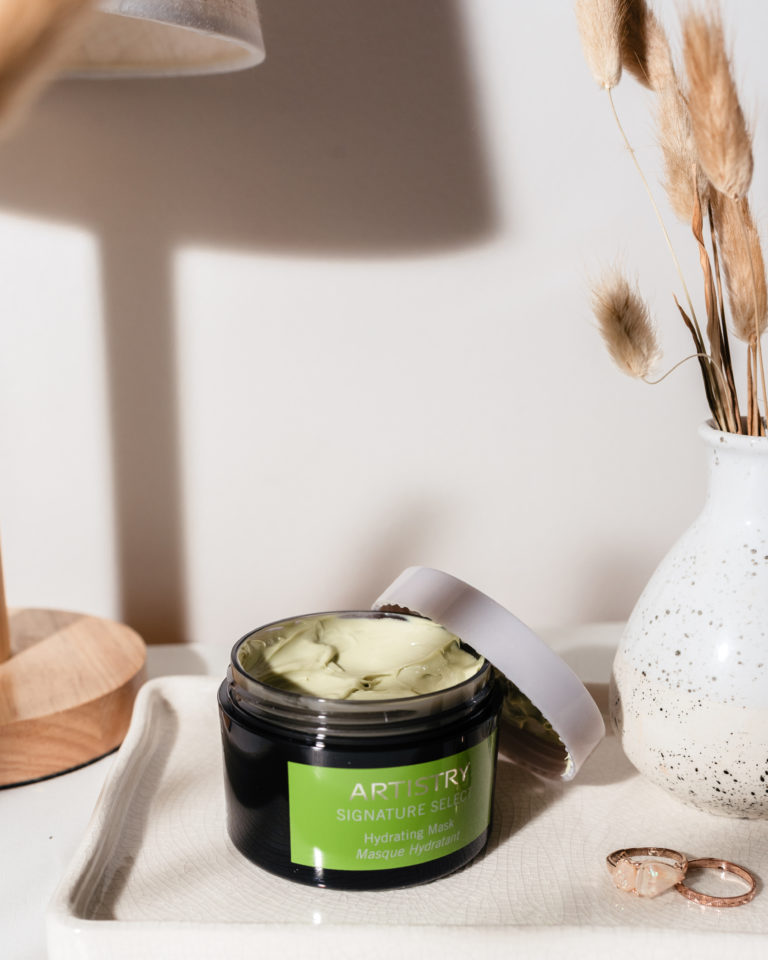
(267, 338)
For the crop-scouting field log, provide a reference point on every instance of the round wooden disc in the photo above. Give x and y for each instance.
(67, 692)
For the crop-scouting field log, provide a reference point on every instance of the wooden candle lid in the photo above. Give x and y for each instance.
(66, 693)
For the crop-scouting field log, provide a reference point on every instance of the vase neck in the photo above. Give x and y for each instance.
(738, 477)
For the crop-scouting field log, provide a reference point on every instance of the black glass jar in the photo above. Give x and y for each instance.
(358, 794)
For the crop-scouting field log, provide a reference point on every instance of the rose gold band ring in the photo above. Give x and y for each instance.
(659, 870)
(725, 867)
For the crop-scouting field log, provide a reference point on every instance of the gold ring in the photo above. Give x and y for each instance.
(723, 865)
(660, 870)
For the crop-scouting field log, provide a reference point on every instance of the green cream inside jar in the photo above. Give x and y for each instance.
(337, 657)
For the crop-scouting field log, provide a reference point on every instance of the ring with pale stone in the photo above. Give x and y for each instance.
(659, 870)
(724, 866)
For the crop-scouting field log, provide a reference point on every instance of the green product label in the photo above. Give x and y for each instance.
(378, 818)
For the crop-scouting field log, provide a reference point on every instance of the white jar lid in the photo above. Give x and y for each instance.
(524, 659)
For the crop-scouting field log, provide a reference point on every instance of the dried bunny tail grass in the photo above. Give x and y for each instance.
(625, 324)
(741, 253)
(719, 129)
(645, 50)
(601, 24)
(35, 37)
(683, 176)
(647, 55)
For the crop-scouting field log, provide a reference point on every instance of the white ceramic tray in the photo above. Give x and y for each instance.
(156, 875)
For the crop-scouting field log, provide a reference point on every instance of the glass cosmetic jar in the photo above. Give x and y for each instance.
(358, 794)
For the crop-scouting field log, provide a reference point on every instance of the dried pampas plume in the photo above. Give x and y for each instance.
(35, 37)
(708, 164)
(740, 252)
(646, 53)
(625, 324)
(719, 129)
(684, 180)
(601, 24)
(644, 47)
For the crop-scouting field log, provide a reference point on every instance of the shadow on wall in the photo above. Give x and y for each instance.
(357, 136)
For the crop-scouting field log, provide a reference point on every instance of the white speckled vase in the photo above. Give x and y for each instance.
(689, 690)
